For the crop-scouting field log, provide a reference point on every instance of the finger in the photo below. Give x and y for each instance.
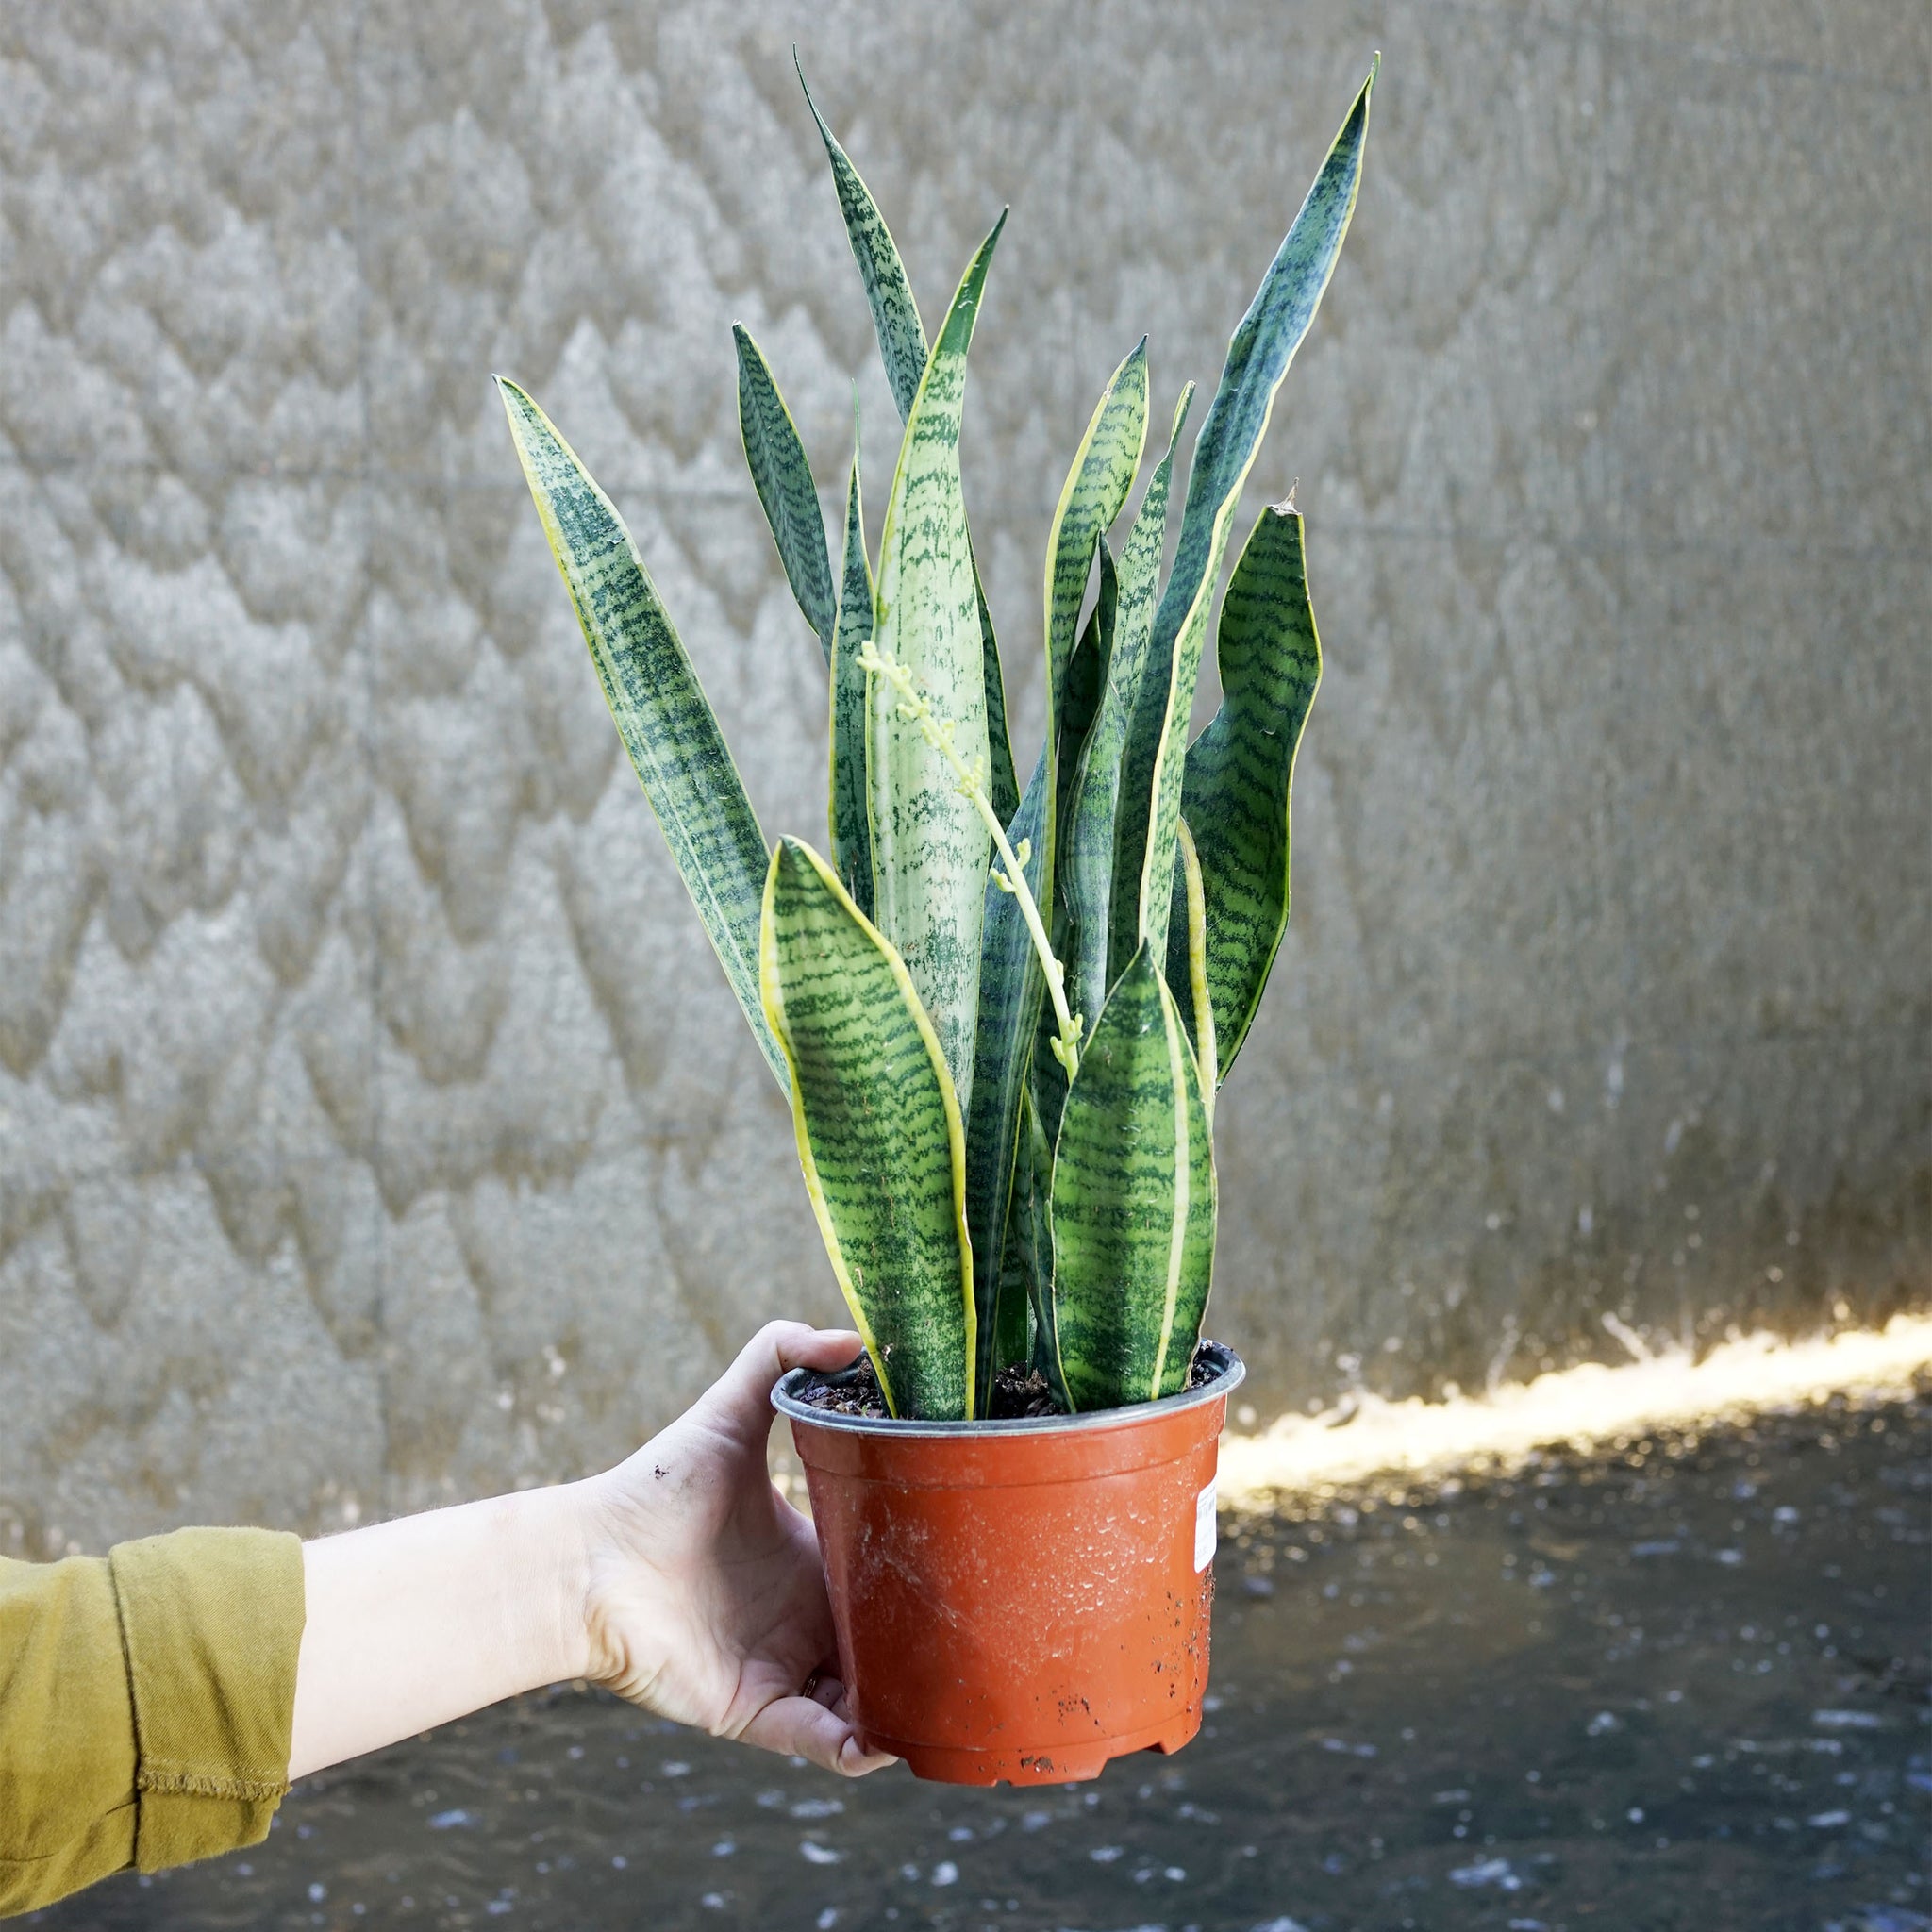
(744, 1392)
(854, 1760)
(803, 1727)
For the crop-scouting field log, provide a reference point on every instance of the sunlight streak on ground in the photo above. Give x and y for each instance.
(1579, 1408)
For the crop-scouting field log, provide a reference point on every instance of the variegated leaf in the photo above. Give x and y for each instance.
(1086, 683)
(675, 746)
(903, 350)
(1240, 770)
(1187, 963)
(783, 478)
(895, 313)
(929, 845)
(1003, 781)
(1046, 1079)
(878, 1134)
(1011, 992)
(1012, 1325)
(1087, 869)
(1030, 1233)
(1257, 358)
(1132, 1201)
(1098, 484)
(850, 824)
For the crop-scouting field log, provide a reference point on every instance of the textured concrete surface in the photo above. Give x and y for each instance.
(375, 1125)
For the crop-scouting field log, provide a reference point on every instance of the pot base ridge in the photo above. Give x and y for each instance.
(1070, 1764)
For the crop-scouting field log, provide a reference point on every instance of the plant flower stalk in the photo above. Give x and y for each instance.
(1010, 875)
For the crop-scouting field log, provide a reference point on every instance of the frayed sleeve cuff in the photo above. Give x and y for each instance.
(212, 1624)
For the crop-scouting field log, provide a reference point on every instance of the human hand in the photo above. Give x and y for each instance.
(705, 1599)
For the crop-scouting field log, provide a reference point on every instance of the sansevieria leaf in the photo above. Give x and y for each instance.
(1003, 781)
(903, 350)
(851, 825)
(1257, 358)
(1085, 684)
(1030, 1233)
(1240, 770)
(1088, 863)
(1187, 963)
(895, 313)
(785, 488)
(1132, 1203)
(675, 746)
(1098, 483)
(929, 844)
(1011, 992)
(1012, 1326)
(879, 1136)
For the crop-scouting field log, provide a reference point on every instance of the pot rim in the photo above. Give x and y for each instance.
(1230, 1372)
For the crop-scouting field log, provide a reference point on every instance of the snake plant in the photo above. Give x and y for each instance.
(1000, 1018)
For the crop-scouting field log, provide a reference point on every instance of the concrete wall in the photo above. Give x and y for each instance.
(373, 1123)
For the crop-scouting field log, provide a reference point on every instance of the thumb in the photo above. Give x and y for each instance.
(741, 1398)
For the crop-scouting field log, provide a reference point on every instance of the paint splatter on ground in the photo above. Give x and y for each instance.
(1681, 1685)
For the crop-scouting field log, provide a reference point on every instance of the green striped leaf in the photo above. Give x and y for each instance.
(1030, 1233)
(903, 350)
(1133, 1203)
(675, 746)
(783, 478)
(1240, 770)
(851, 828)
(1098, 484)
(1187, 963)
(929, 845)
(1087, 868)
(895, 313)
(1258, 359)
(1011, 993)
(1086, 682)
(1013, 1331)
(1003, 781)
(878, 1134)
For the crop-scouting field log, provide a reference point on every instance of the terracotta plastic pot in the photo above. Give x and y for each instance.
(1020, 1600)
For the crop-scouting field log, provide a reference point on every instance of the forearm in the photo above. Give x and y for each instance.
(414, 1623)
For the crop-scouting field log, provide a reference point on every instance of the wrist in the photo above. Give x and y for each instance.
(412, 1623)
(623, 1595)
(545, 1544)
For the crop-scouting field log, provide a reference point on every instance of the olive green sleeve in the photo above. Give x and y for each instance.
(146, 1701)
(67, 1804)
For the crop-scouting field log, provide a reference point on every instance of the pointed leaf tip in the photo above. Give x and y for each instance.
(895, 313)
(656, 702)
(785, 486)
(929, 844)
(1259, 356)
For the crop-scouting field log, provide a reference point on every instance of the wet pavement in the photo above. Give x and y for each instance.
(1686, 1685)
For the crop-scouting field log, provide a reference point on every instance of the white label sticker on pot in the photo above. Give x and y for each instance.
(1204, 1528)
